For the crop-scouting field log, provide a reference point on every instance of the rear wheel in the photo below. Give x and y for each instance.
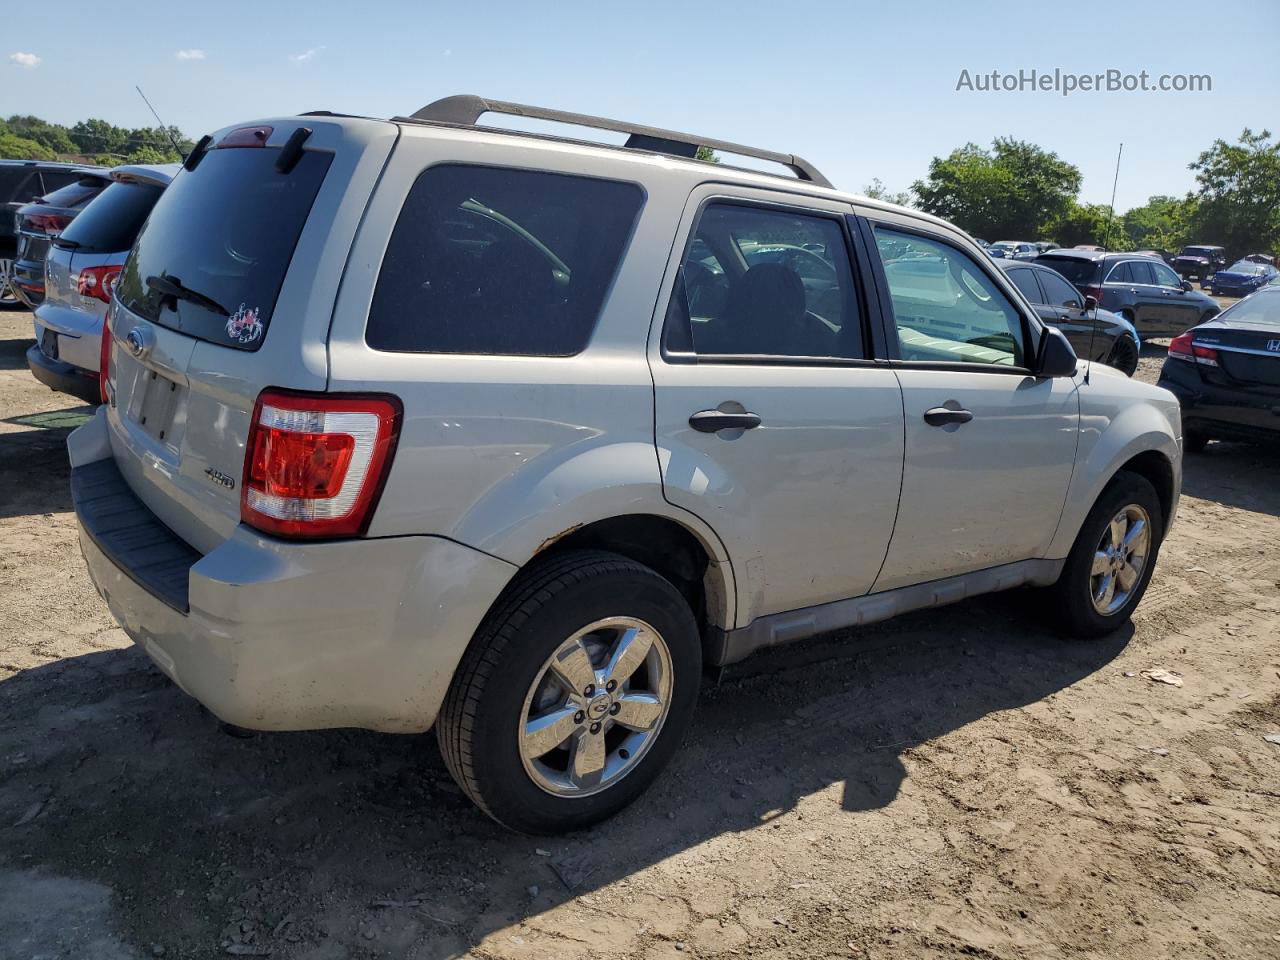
(1110, 565)
(1124, 356)
(8, 299)
(574, 694)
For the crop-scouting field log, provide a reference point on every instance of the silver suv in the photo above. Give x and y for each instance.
(416, 423)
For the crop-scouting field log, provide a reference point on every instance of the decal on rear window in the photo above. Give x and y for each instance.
(243, 326)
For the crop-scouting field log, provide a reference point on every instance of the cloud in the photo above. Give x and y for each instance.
(190, 54)
(28, 60)
(304, 56)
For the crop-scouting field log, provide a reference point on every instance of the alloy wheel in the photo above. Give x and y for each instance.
(1119, 559)
(595, 707)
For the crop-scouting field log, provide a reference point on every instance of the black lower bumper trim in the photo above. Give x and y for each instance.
(64, 377)
(131, 536)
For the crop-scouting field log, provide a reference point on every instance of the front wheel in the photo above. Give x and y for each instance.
(1111, 562)
(8, 299)
(574, 694)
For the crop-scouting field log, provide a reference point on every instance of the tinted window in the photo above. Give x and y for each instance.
(53, 179)
(946, 308)
(112, 221)
(1140, 272)
(1260, 308)
(499, 261)
(1077, 270)
(16, 184)
(1165, 277)
(1120, 273)
(225, 231)
(1025, 280)
(1058, 292)
(761, 282)
(75, 194)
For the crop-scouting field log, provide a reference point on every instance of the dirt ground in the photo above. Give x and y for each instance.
(957, 783)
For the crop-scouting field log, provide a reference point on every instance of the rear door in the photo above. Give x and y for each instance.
(1181, 309)
(1064, 308)
(228, 290)
(989, 446)
(773, 422)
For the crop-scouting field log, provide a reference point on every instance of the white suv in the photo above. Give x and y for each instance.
(417, 423)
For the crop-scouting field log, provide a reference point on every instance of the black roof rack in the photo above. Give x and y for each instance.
(466, 109)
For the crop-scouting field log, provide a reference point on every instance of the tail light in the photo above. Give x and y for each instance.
(315, 463)
(50, 223)
(98, 282)
(104, 359)
(1094, 290)
(1184, 347)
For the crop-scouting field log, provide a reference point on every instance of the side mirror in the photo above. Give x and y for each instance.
(1090, 303)
(1057, 358)
(1186, 286)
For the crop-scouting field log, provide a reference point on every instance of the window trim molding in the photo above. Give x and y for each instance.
(860, 292)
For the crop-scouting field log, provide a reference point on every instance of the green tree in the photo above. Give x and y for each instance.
(876, 190)
(1014, 190)
(706, 154)
(1238, 199)
(97, 136)
(20, 148)
(152, 155)
(50, 135)
(1088, 223)
(1162, 223)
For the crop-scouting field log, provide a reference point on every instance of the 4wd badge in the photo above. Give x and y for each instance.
(220, 478)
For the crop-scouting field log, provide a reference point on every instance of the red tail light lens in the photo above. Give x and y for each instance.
(50, 223)
(1184, 347)
(1095, 291)
(315, 463)
(104, 359)
(98, 282)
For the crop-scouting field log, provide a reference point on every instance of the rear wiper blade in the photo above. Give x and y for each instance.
(174, 288)
(65, 244)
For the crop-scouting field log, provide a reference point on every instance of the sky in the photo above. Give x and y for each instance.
(862, 90)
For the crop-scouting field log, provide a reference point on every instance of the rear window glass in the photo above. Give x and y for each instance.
(489, 260)
(75, 194)
(112, 221)
(1078, 271)
(12, 180)
(1260, 308)
(222, 236)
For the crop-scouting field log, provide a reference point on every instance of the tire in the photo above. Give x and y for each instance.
(1193, 441)
(8, 299)
(508, 670)
(1124, 356)
(1073, 594)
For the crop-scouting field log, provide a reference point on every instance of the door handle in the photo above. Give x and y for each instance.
(712, 421)
(941, 416)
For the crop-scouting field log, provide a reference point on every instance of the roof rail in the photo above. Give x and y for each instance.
(466, 109)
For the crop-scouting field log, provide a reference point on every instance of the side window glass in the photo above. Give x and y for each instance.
(1166, 277)
(945, 307)
(1058, 292)
(1120, 274)
(1141, 272)
(764, 282)
(1025, 280)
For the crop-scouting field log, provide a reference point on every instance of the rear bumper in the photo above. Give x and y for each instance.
(280, 635)
(63, 377)
(1223, 413)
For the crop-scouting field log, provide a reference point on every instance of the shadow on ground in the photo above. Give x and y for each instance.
(301, 843)
(1228, 473)
(13, 353)
(35, 476)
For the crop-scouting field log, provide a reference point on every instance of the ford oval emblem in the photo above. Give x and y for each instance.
(136, 341)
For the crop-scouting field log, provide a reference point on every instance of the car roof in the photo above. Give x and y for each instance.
(55, 165)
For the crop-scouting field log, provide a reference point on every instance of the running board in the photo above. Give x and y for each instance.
(730, 646)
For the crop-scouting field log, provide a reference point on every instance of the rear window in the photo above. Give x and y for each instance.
(224, 234)
(1078, 271)
(1261, 308)
(12, 180)
(112, 221)
(75, 194)
(489, 260)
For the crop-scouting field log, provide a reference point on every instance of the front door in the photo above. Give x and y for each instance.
(772, 423)
(989, 446)
(1182, 310)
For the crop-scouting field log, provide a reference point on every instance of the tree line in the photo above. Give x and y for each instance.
(1016, 190)
(89, 141)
